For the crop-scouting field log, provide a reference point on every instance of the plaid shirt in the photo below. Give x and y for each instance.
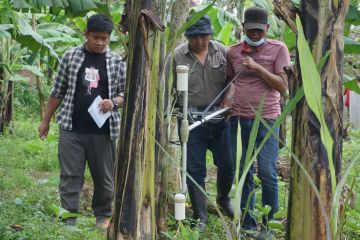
(65, 84)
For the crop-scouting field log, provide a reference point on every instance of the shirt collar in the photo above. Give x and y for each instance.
(212, 48)
(247, 49)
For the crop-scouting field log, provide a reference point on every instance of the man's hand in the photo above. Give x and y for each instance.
(43, 129)
(228, 100)
(276, 81)
(106, 105)
(44, 126)
(249, 63)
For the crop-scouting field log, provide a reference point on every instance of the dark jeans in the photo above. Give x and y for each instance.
(213, 137)
(267, 169)
(77, 149)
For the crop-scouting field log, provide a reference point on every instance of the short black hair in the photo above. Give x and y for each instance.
(100, 23)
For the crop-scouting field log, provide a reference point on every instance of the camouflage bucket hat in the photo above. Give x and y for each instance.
(201, 27)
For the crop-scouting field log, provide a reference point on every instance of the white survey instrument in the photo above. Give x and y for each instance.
(182, 75)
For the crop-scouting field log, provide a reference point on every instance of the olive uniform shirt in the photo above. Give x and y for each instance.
(205, 81)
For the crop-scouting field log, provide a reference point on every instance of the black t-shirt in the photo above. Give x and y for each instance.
(92, 80)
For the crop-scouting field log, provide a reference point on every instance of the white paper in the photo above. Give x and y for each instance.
(95, 112)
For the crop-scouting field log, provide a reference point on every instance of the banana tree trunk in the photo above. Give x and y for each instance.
(2, 106)
(6, 87)
(179, 13)
(9, 103)
(6, 104)
(168, 177)
(323, 23)
(38, 79)
(162, 167)
(134, 213)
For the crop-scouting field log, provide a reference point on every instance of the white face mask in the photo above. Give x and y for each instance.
(252, 43)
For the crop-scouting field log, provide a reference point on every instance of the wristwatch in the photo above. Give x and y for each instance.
(115, 102)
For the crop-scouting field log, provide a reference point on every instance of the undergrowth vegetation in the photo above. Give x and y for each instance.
(29, 178)
(29, 199)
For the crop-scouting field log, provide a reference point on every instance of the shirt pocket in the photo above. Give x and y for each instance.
(218, 73)
(219, 67)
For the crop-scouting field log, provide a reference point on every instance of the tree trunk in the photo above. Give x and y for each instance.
(134, 213)
(169, 178)
(6, 104)
(6, 87)
(162, 169)
(3, 104)
(179, 12)
(2, 99)
(38, 79)
(9, 103)
(323, 27)
(240, 6)
(41, 95)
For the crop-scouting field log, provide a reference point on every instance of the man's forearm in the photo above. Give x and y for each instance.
(277, 82)
(51, 107)
(228, 96)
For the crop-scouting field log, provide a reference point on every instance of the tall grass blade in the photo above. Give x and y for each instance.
(248, 160)
(287, 110)
(237, 210)
(322, 61)
(248, 204)
(307, 176)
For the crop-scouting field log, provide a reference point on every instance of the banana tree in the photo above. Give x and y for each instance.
(72, 7)
(37, 41)
(43, 32)
(17, 26)
(318, 149)
(6, 86)
(134, 213)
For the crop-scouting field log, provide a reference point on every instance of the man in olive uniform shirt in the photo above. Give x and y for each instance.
(206, 61)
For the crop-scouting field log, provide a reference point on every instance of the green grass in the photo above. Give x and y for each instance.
(352, 221)
(29, 177)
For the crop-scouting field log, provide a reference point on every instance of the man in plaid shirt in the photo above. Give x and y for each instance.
(86, 72)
